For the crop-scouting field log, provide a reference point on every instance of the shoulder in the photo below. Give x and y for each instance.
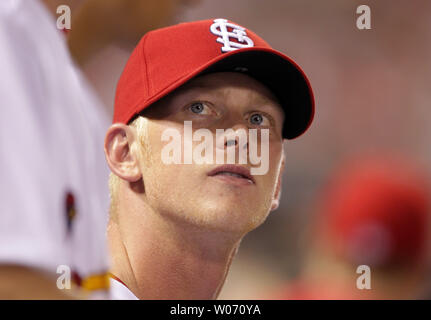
(9, 7)
(15, 13)
(25, 27)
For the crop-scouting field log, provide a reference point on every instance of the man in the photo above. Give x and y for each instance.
(53, 191)
(176, 222)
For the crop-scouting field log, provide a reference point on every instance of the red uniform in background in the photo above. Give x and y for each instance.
(374, 212)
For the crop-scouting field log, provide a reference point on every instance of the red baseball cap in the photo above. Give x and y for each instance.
(167, 58)
(377, 211)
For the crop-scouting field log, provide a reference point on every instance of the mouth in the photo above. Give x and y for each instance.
(233, 173)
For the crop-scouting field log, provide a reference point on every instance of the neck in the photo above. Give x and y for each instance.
(158, 258)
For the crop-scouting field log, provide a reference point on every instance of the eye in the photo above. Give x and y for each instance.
(259, 119)
(256, 119)
(199, 108)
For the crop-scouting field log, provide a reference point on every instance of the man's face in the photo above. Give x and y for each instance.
(204, 194)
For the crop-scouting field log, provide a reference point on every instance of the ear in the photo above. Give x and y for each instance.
(120, 152)
(277, 193)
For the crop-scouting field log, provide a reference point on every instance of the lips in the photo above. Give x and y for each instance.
(232, 173)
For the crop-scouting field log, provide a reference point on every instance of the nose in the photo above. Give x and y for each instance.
(235, 138)
(231, 142)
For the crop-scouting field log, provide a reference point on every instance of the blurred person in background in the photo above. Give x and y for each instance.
(374, 212)
(104, 33)
(100, 23)
(54, 198)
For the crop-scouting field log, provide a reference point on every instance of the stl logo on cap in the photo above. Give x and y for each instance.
(220, 28)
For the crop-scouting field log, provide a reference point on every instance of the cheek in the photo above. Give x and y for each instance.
(174, 190)
(164, 182)
(153, 145)
(270, 179)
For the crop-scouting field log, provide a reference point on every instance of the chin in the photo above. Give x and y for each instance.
(225, 216)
